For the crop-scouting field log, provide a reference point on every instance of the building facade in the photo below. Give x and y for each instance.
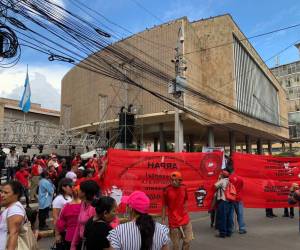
(231, 96)
(10, 111)
(288, 76)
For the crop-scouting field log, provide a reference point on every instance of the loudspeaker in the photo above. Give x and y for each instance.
(126, 127)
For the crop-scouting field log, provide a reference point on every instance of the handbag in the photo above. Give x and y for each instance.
(26, 238)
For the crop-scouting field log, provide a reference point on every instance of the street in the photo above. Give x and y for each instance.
(263, 233)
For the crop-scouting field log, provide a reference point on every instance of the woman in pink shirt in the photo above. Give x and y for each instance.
(68, 218)
(88, 191)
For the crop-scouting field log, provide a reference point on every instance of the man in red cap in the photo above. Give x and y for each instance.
(225, 207)
(175, 199)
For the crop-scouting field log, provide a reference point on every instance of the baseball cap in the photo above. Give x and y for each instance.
(176, 175)
(137, 200)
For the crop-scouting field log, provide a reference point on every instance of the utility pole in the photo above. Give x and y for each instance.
(176, 87)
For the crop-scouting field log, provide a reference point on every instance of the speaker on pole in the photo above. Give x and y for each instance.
(126, 127)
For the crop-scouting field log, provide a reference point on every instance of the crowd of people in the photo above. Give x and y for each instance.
(83, 218)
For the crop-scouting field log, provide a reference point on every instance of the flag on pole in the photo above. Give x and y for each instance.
(25, 101)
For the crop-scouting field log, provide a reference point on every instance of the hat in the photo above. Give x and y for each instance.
(176, 175)
(225, 173)
(137, 200)
(81, 168)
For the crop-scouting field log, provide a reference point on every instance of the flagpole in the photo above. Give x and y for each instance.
(25, 100)
(25, 112)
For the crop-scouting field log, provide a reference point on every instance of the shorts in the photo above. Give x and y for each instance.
(184, 233)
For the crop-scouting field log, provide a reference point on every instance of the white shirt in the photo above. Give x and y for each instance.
(15, 209)
(60, 201)
(127, 237)
(11, 161)
(71, 175)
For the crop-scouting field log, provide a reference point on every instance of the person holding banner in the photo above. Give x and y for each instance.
(175, 199)
(225, 207)
(294, 195)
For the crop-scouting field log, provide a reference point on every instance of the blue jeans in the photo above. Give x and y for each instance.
(225, 218)
(239, 210)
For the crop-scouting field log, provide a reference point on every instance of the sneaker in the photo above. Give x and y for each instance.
(220, 236)
(274, 215)
(242, 232)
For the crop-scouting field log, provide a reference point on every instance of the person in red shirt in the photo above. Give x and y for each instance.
(97, 177)
(175, 199)
(76, 160)
(23, 177)
(36, 170)
(238, 183)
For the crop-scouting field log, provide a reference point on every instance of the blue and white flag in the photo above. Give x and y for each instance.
(25, 101)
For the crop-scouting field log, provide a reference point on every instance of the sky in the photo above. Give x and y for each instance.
(253, 17)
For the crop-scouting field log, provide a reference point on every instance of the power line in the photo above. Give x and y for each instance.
(148, 11)
(243, 39)
(84, 38)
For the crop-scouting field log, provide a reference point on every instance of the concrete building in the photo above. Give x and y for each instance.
(288, 76)
(10, 111)
(15, 128)
(233, 98)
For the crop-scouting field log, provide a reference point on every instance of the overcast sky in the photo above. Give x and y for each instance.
(253, 17)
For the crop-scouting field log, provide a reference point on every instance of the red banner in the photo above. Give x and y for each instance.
(128, 171)
(267, 179)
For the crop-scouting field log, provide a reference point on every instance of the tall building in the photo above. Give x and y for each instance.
(288, 76)
(231, 97)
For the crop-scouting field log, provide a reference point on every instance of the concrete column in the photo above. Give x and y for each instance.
(162, 142)
(178, 132)
(210, 137)
(291, 147)
(232, 142)
(155, 144)
(248, 144)
(259, 147)
(283, 146)
(270, 147)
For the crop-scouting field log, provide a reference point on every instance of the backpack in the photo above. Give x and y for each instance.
(230, 192)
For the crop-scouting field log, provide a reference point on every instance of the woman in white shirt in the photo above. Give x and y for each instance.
(12, 217)
(64, 196)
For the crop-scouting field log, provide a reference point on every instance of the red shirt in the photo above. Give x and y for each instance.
(22, 177)
(36, 170)
(96, 179)
(238, 183)
(175, 198)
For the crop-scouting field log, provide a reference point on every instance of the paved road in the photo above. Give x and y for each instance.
(263, 233)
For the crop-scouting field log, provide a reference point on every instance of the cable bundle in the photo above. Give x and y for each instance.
(65, 36)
